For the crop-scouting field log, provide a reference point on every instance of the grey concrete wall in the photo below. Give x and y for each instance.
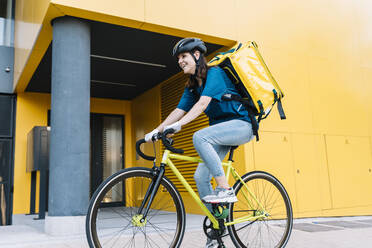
(6, 61)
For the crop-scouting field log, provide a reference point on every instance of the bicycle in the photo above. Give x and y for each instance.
(152, 204)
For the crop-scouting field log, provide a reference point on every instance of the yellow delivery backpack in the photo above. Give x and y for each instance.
(257, 88)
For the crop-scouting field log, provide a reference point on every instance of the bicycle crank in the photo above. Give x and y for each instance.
(211, 232)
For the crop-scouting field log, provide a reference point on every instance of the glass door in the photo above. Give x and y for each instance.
(7, 113)
(106, 152)
(5, 153)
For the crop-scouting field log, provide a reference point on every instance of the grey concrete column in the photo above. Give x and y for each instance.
(70, 112)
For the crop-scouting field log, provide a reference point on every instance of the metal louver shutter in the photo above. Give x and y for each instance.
(171, 92)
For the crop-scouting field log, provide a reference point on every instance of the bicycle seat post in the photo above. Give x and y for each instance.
(231, 154)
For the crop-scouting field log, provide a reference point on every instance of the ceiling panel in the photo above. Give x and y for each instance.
(125, 62)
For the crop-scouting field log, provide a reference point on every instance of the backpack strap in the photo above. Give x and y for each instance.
(262, 111)
(254, 122)
(280, 110)
(280, 107)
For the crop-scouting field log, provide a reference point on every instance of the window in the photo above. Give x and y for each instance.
(6, 22)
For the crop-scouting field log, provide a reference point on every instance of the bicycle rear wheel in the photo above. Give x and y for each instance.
(118, 224)
(272, 230)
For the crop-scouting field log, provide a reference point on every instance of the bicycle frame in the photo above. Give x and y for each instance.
(166, 160)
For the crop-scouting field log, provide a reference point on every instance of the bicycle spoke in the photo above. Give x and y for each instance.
(268, 196)
(149, 238)
(160, 230)
(121, 226)
(120, 231)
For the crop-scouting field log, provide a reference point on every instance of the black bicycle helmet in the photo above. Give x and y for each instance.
(188, 45)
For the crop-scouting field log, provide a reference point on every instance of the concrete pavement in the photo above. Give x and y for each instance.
(342, 232)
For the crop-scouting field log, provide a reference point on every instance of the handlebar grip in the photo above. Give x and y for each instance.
(167, 144)
(140, 153)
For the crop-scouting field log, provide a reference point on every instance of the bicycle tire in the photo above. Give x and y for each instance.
(113, 226)
(271, 231)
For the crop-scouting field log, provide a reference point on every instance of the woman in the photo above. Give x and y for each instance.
(229, 121)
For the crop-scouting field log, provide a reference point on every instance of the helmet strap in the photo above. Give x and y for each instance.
(193, 77)
(196, 63)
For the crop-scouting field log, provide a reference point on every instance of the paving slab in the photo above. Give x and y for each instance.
(345, 224)
(27, 232)
(366, 221)
(310, 227)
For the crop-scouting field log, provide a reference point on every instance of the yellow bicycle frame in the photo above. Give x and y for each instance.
(167, 156)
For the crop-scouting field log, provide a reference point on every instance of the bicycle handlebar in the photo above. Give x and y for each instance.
(167, 142)
(140, 153)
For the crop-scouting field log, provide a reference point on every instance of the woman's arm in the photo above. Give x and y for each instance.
(174, 116)
(196, 110)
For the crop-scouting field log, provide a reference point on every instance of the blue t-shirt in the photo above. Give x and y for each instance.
(218, 110)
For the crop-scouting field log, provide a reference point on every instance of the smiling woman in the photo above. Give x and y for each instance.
(5, 22)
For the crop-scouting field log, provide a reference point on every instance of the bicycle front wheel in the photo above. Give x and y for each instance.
(118, 224)
(268, 205)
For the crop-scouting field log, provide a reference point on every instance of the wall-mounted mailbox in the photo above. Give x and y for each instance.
(38, 149)
(38, 160)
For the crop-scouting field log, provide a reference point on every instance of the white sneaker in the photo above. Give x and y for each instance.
(221, 195)
(211, 243)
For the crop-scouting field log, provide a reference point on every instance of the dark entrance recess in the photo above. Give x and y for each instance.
(7, 119)
(107, 153)
(125, 62)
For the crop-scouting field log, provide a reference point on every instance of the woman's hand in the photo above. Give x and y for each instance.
(175, 126)
(149, 136)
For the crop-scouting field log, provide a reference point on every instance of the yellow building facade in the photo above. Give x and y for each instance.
(318, 51)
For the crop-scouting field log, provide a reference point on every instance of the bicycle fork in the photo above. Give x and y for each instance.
(140, 218)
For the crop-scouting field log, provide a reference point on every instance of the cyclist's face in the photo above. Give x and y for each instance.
(187, 62)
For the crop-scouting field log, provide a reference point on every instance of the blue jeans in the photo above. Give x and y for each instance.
(212, 144)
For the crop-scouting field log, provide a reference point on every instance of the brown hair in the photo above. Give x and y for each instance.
(201, 73)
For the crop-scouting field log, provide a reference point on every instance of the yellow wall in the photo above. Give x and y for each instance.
(322, 152)
(32, 111)
(319, 52)
(33, 31)
(162, 15)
